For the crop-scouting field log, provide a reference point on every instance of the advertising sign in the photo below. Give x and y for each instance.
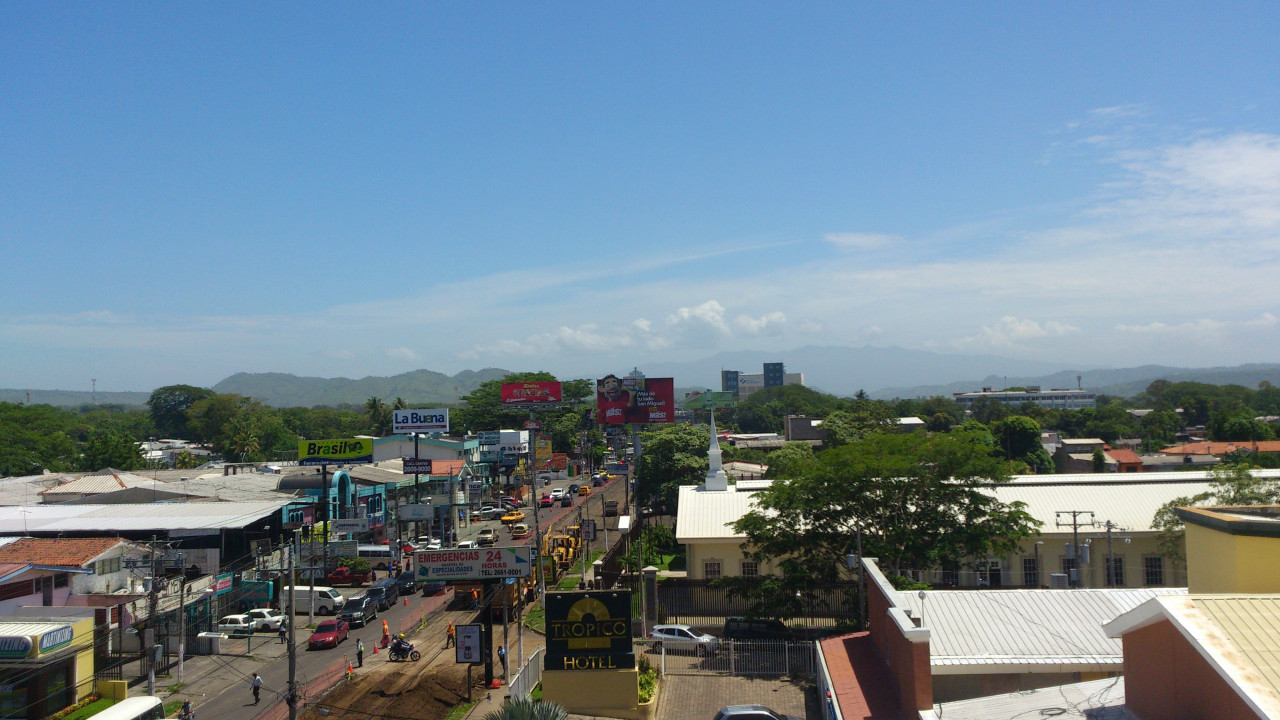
(351, 525)
(55, 639)
(257, 592)
(467, 648)
(474, 564)
(15, 646)
(492, 437)
(313, 551)
(589, 530)
(417, 466)
(532, 425)
(222, 584)
(420, 421)
(710, 400)
(346, 451)
(631, 400)
(489, 456)
(416, 512)
(589, 630)
(530, 393)
(542, 453)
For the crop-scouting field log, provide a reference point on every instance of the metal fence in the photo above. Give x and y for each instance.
(742, 658)
(527, 677)
(699, 602)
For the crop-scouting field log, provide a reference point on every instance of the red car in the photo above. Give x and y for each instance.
(546, 501)
(328, 634)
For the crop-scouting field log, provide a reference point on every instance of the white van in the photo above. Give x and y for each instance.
(328, 600)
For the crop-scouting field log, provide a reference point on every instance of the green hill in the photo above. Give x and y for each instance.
(420, 387)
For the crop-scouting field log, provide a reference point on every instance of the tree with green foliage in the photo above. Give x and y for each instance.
(380, 419)
(168, 407)
(918, 502)
(1232, 485)
(1158, 428)
(673, 455)
(1017, 437)
(795, 459)
(482, 409)
(110, 449)
(1099, 460)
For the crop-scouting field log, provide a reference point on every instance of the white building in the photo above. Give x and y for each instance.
(1052, 399)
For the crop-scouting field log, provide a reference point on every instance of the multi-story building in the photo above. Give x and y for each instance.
(1055, 399)
(742, 385)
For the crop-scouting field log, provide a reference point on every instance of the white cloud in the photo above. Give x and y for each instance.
(708, 315)
(1011, 332)
(860, 241)
(1202, 326)
(402, 353)
(642, 325)
(768, 323)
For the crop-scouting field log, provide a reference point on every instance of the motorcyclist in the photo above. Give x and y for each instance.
(187, 712)
(400, 646)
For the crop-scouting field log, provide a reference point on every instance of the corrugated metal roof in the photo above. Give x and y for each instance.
(103, 481)
(125, 518)
(1130, 505)
(1179, 476)
(705, 514)
(1025, 627)
(1093, 700)
(1251, 625)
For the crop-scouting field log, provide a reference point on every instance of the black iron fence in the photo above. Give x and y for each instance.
(701, 601)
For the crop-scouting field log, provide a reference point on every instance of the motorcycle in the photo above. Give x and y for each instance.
(401, 653)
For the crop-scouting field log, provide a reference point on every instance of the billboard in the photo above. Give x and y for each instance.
(420, 421)
(530, 393)
(542, 453)
(417, 466)
(710, 400)
(474, 563)
(346, 451)
(635, 400)
(589, 631)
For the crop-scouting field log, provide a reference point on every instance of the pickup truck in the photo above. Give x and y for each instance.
(344, 576)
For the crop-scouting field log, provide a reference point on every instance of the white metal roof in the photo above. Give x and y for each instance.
(1093, 700)
(1145, 478)
(977, 631)
(1130, 505)
(706, 514)
(125, 518)
(97, 483)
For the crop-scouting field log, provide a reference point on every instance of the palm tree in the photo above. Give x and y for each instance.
(528, 709)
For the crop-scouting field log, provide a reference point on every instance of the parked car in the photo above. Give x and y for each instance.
(683, 638)
(466, 545)
(489, 512)
(487, 536)
(750, 712)
(566, 501)
(346, 577)
(557, 493)
(385, 592)
(328, 634)
(512, 517)
(432, 587)
(597, 481)
(547, 501)
(509, 502)
(265, 619)
(740, 628)
(519, 530)
(236, 625)
(584, 490)
(359, 611)
(610, 508)
(406, 583)
(573, 489)
(327, 600)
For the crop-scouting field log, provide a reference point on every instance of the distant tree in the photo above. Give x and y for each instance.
(987, 410)
(795, 459)
(1158, 428)
(674, 455)
(1099, 460)
(863, 418)
(1017, 437)
(186, 461)
(1232, 485)
(482, 409)
(243, 443)
(578, 392)
(110, 449)
(379, 417)
(168, 408)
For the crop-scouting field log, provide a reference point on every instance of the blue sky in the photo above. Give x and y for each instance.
(192, 190)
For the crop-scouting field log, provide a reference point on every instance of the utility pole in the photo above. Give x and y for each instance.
(1111, 557)
(153, 603)
(1075, 524)
(292, 697)
(182, 624)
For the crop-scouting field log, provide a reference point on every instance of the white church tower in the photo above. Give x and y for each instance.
(716, 479)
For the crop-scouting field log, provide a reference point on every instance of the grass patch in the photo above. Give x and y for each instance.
(457, 712)
(535, 618)
(175, 688)
(569, 582)
(92, 708)
(172, 707)
(536, 693)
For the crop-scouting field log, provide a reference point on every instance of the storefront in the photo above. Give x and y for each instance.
(45, 665)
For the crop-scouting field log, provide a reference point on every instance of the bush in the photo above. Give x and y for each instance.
(648, 685)
(905, 583)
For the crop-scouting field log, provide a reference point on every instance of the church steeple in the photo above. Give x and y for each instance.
(716, 479)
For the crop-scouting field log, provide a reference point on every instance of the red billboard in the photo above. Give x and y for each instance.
(630, 400)
(530, 393)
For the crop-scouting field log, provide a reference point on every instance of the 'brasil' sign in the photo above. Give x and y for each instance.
(346, 451)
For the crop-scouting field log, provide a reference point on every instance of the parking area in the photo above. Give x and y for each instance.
(700, 697)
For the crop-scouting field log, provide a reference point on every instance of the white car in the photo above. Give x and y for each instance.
(235, 625)
(557, 493)
(266, 619)
(683, 637)
(466, 545)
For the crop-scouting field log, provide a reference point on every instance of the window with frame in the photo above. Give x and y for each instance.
(61, 580)
(711, 569)
(107, 566)
(1031, 572)
(1153, 570)
(1115, 571)
(750, 568)
(951, 576)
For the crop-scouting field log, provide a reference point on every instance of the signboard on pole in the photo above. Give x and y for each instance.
(489, 437)
(222, 584)
(345, 451)
(589, 530)
(420, 421)
(416, 512)
(473, 564)
(634, 400)
(710, 400)
(588, 631)
(530, 393)
(467, 644)
(417, 466)
(351, 525)
(532, 425)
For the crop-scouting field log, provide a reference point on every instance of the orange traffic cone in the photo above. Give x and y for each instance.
(406, 602)
(350, 670)
(375, 648)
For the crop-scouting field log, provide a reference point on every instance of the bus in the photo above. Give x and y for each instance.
(134, 708)
(379, 556)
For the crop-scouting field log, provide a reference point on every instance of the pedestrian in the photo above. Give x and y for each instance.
(450, 638)
(475, 599)
(502, 656)
(284, 631)
(386, 634)
(256, 684)
(359, 653)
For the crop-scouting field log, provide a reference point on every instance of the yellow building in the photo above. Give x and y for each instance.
(46, 664)
(1233, 549)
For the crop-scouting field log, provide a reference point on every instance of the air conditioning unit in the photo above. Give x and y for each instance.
(1058, 581)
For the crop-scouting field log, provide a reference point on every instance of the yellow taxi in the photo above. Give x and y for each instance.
(513, 516)
(584, 489)
(519, 530)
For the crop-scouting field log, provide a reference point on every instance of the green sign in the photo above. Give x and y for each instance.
(345, 451)
(709, 400)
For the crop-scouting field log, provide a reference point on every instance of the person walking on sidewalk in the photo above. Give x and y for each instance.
(256, 684)
(475, 599)
(502, 656)
(450, 638)
(359, 653)
(284, 631)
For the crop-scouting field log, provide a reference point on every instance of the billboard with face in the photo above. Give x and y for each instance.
(631, 400)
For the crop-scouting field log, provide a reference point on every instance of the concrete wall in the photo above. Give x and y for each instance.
(1218, 562)
(605, 693)
(1166, 678)
(727, 552)
(903, 646)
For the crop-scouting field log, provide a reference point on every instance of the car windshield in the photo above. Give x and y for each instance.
(325, 627)
(334, 594)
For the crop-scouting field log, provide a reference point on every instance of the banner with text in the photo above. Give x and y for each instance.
(530, 393)
(631, 400)
(347, 451)
(420, 421)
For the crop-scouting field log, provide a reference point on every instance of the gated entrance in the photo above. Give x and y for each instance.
(745, 658)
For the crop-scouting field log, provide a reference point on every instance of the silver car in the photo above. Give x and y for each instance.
(683, 637)
(750, 712)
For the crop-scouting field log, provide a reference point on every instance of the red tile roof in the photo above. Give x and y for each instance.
(860, 679)
(1125, 456)
(1223, 448)
(60, 552)
(446, 468)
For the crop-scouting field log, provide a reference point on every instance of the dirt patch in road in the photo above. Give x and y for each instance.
(405, 691)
